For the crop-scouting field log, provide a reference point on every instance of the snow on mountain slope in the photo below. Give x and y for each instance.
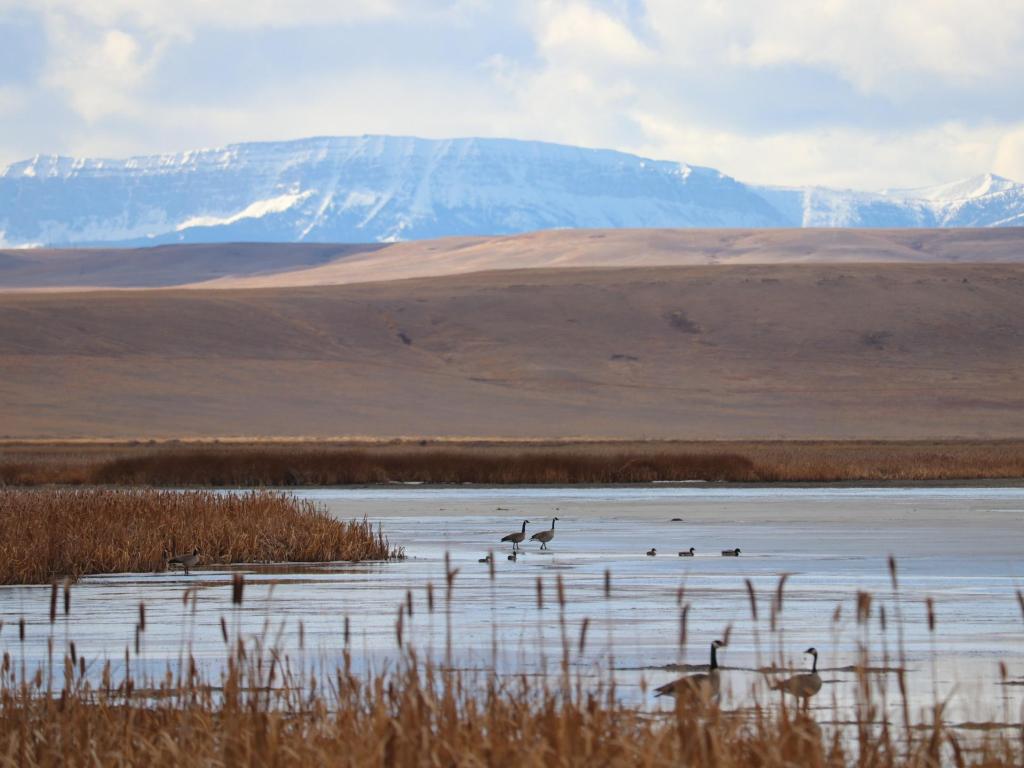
(380, 189)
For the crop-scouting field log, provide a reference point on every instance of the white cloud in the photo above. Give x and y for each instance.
(581, 33)
(877, 45)
(658, 77)
(12, 100)
(844, 157)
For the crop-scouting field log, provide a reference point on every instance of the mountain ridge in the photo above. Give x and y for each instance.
(383, 188)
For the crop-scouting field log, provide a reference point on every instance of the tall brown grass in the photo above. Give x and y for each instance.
(57, 533)
(268, 709)
(498, 463)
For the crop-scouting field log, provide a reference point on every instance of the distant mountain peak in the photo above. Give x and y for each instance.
(964, 189)
(381, 188)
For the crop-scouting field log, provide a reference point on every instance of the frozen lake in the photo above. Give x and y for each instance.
(960, 546)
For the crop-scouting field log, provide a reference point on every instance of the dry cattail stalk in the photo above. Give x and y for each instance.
(752, 596)
(583, 634)
(237, 588)
(53, 602)
(863, 606)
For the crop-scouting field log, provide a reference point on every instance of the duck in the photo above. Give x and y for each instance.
(484, 559)
(545, 536)
(186, 560)
(704, 686)
(513, 556)
(516, 538)
(802, 686)
(687, 552)
(652, 552)
(731, 552)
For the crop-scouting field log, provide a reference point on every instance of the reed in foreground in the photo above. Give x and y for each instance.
(260, 713)
(57, 533)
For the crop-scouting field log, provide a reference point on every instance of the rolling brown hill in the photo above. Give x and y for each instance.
(869, 350)
(267, 265)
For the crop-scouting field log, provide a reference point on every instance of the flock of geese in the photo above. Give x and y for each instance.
(545, 537)
(704, 687)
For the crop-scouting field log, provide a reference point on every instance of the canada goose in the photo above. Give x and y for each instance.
(513, 557)
(516, 538)
(545, 536)
(687, 552)
(186, 561)
(703, 685)
(652, 552)
(804, 685)
(731, 552)
(484, 559)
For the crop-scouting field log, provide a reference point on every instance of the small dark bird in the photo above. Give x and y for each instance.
(652, 552)
(687, 552)
(731, 552)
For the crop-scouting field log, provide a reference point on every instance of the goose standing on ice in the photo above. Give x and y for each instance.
(516, 538)
(545, 536)
(703, 686)
(804, 685)
(186, 561)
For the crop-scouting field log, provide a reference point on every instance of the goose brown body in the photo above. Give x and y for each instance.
(546, 535)
(804, 685)
(702, 687)
(186, 561)
(516, 538)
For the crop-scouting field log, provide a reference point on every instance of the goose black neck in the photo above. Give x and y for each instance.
(714, 656)
(524, 526)
(814, 666)
(552, 525)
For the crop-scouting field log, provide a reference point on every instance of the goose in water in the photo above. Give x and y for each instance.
(652, 552)
(687, 552)
(731, 552)
(545, 536)
(703, 686)
(186, 561)
(516, 538)
(804, 685)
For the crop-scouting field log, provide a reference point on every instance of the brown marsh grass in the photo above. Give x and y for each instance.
(497, 463)
(267, 708)
(57, 533)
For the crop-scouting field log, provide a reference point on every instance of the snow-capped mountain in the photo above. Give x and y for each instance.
(381, 188)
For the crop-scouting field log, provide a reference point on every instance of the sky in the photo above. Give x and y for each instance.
(867, 94)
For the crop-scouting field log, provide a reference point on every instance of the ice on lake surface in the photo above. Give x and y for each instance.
(960, 546)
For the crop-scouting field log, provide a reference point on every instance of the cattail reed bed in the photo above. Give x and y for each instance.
(67, 533)
(500, 463)
(267, 707)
